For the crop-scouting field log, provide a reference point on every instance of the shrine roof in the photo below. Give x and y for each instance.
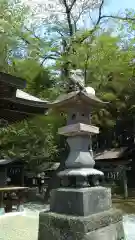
(12, 80)
(109, 154)
(4, 162)
(23, 95)
(20, 96)
(25, 98)
(48, 166)
(15, 104)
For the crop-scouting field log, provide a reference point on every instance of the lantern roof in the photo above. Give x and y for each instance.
(75, 98)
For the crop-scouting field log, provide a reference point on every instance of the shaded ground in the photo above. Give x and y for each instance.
(127, 206)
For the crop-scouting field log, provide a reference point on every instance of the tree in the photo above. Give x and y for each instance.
(40, 80)
(114, 83)
(33, 141)
(10, 22)
(64, 25)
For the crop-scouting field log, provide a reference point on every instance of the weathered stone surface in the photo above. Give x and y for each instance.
(80, 202)
(79, 155)
(103, 226)
(111, 232)
(78, 129)
(80, 172)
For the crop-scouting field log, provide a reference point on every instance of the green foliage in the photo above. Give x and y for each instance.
(12, 17)
(34, 140)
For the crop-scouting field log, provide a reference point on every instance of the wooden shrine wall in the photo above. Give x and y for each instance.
(6, 90)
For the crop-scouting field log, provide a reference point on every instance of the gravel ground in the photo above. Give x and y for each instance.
(23, 225)
(19, 227)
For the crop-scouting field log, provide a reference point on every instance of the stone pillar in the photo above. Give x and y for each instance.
(80, 209)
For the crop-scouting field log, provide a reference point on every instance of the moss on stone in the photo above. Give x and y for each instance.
(80, 224)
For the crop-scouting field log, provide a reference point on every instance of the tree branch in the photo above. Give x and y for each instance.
(90, 32)
(119, 17)
(60, 33)
(51, 57)
(74, 23)
(32, 33)
(72, 4)
(100, 17)
(86, 67)
(100, 14)
(68, 11)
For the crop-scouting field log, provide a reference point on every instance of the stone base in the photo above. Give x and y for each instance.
(102, 226)
(81, 201)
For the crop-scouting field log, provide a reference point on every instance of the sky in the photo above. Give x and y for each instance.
(111, 5)
(116, 5)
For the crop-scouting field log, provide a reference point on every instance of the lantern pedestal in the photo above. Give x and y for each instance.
(81, 201)
(106, 225)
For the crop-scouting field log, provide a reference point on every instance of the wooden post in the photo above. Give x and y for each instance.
(8, 207)
(1, 199)
(22, 174)
(124, 175)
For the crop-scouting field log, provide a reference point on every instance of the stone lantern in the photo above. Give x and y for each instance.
(79, 171)
(80, 209)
